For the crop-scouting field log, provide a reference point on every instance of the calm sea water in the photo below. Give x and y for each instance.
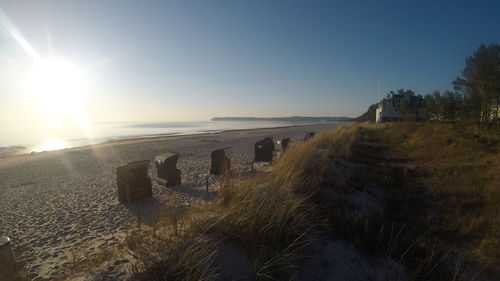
(23, 138)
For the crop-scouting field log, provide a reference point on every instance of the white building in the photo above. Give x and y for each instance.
(389, 109)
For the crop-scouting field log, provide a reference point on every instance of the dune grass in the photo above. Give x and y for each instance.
(439, 216)
(464, 182)
(269, 217)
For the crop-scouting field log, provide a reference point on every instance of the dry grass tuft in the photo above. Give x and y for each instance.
(85, 262)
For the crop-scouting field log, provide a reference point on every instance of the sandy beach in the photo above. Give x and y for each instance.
(55, 203)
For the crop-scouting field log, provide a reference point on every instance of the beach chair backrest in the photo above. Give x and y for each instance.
(133, 173)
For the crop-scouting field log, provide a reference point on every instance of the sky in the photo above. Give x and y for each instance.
(194, 60)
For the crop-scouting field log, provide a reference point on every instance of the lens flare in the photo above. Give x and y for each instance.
(50, 144)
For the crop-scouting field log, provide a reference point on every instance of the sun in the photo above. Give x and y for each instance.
(55, 85)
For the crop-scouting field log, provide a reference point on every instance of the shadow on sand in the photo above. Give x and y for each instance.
(146, 210)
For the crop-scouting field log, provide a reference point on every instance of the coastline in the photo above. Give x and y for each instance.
(23, 150)
(154, 138)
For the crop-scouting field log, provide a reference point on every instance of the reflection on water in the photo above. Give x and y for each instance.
(50, 144)
(65, 135)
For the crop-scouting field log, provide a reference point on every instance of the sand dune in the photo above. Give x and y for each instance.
(54, 203)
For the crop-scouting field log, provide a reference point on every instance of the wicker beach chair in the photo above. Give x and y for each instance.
(133, 182)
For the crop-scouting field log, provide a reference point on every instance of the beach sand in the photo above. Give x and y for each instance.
(53, 204)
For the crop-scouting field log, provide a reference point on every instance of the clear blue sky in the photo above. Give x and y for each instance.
(193, 60)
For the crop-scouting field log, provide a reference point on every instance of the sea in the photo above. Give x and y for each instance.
(18, 138)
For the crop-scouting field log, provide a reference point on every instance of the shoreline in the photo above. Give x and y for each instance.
(25, 150)
(154, 138)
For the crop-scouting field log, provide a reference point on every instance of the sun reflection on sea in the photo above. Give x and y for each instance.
(50, 144)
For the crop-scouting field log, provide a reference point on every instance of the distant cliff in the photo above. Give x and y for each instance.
(284, 119)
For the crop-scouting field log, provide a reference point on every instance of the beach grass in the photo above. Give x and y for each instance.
(440, 217)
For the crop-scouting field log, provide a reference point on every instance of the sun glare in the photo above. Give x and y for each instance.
(55, 88)
(50, 144)
(55, 85)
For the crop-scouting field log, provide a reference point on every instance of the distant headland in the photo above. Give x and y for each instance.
(286, 119)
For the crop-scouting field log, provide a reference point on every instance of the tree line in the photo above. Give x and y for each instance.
(476, 94)
(475, 97)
